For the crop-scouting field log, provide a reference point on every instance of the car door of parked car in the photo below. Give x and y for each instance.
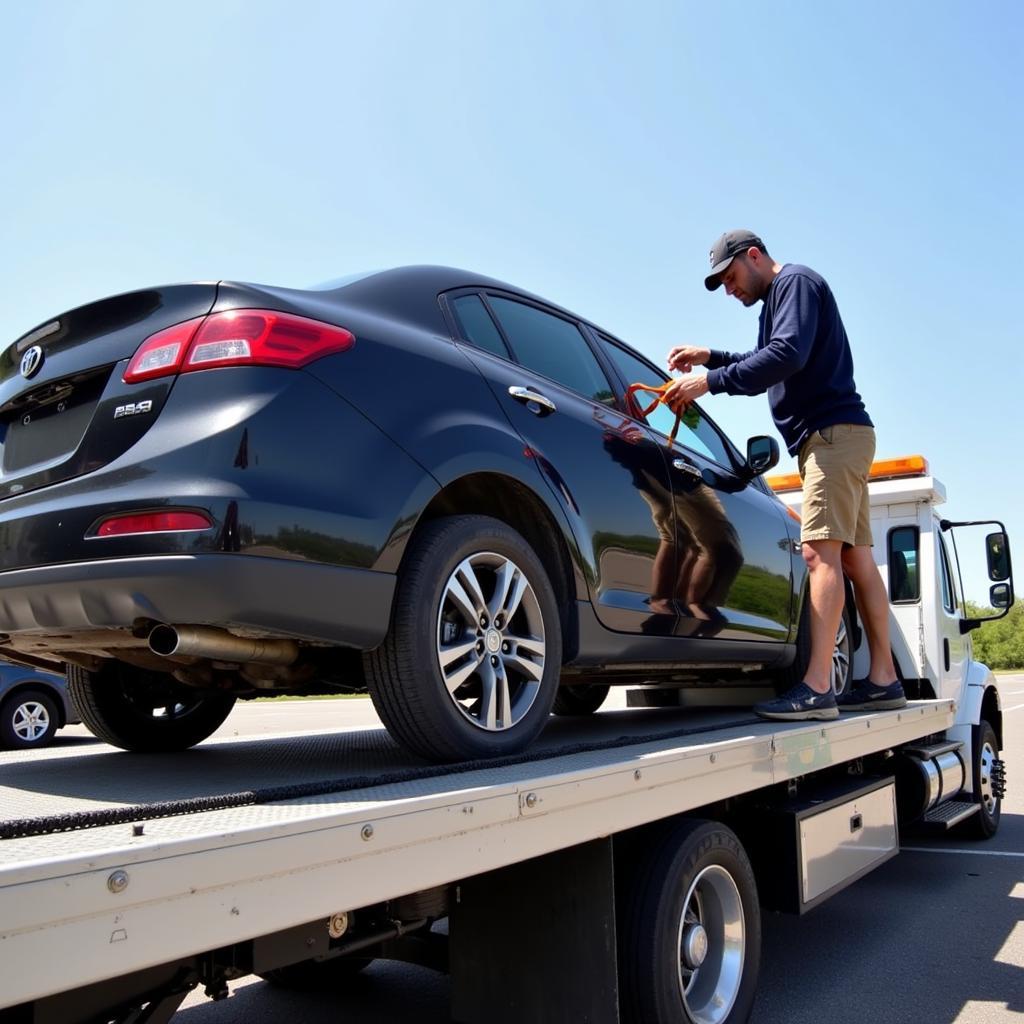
(601, 465)
(735, 555)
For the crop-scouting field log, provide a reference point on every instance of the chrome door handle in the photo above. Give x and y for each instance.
(525, 395)
(687, 467)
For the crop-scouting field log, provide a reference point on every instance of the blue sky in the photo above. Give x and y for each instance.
(590, 152)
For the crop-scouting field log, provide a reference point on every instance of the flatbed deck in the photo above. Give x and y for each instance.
(102, 900)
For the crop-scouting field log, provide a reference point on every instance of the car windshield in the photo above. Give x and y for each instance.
(340, 282)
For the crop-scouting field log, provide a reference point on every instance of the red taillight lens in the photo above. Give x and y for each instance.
(160, 355)
(153, 522)
(243, 337)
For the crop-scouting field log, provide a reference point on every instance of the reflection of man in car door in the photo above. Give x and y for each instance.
(699, 554)
(803, 361)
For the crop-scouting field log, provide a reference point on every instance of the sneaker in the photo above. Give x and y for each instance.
(799, 704)
(864, 695)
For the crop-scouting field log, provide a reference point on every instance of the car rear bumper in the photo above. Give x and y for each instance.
(276, 596)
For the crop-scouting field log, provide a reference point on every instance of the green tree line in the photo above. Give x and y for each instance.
(999, 644)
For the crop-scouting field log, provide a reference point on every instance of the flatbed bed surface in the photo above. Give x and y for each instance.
(383, 825)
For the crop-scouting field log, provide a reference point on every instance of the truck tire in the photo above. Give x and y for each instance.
(842, 653)
(690, 946)
(986, 782)
(28, 719)
(333, 975)
(147, 712)
(470, 666)
(579, 700)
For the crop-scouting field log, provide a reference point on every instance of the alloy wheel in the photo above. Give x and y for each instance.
(490, 641)
(31, 721)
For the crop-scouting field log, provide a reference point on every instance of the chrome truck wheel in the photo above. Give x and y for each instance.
(690, 942)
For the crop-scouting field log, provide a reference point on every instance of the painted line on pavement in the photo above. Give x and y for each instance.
(949, 849)
(1016, 707)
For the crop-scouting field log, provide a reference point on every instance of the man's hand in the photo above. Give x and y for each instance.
(685, 357)
(683, 392)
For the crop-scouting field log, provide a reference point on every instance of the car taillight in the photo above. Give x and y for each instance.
(161, 354)
(152, 522)
(241, 337)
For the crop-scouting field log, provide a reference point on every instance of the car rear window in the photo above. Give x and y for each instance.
(478, 327)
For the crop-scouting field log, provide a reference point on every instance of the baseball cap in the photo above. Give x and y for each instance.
(729, 246)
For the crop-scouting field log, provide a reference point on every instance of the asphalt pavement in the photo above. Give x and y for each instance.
(935, 936)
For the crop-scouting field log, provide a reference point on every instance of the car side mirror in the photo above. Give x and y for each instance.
(1000, 595)
(998, 553)
(763, 454)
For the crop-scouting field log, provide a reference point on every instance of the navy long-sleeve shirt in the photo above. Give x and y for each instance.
(803, 360)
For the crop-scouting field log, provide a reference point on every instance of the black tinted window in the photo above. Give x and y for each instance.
(477, 325)
(695, 432)
(904, 576)
(553, 347)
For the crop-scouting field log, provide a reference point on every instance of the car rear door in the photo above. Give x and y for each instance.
(735, 578)
(601, 466)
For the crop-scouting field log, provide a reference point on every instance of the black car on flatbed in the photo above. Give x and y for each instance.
(422, 482)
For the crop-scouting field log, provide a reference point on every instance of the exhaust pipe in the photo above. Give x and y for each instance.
(220, 645)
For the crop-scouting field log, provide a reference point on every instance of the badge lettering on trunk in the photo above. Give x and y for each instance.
(133, 409)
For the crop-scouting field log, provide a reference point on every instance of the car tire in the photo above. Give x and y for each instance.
(334, 975)
(579, 700)
(697, 877)
(987, 791)
(28, 719)
(458, 678)
(842, 653)
(144, 711)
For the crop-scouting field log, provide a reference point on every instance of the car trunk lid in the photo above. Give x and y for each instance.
(61, 385)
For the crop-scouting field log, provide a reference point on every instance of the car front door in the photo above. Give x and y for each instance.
(602, 467)
(735, 570)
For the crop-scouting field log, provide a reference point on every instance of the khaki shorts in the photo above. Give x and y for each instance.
(834, 463)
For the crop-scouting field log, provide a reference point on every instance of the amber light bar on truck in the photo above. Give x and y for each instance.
(882, 469)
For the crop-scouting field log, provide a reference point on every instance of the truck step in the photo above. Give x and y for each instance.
(945, 816)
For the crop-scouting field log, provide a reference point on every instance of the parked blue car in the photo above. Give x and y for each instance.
(33, 706)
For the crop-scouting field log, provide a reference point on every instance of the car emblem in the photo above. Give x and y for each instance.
(31, 361)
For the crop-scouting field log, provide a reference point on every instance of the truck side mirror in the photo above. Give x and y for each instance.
(763, 454)
(1000, 595)
(998, 553)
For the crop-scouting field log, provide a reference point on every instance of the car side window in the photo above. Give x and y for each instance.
(477, 325)
(553, 347)
(695, 432)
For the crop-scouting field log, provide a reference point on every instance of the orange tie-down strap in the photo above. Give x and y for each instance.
(658, 390)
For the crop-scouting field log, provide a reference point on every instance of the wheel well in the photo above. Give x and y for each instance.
(491, 494)
(50, 691)
(991, 713)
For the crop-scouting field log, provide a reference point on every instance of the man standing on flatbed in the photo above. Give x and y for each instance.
(803, 361)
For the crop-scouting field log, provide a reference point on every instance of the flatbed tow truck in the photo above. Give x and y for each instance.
(614, 872)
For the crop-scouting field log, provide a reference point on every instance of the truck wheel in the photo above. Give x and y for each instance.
(690, 948)
(148, 712)
(987, 783)
(579, 700)
(28, 719)
(842, 653)
(330, 975)
(470, 666)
